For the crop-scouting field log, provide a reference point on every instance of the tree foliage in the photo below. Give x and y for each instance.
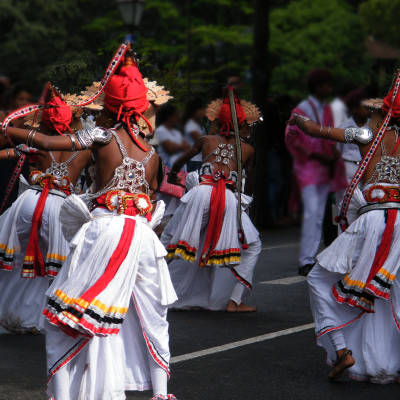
(308, 34)
(382, 19)
(70, 41)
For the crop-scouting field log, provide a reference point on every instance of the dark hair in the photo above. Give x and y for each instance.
(164, 113)
(16, 90)
(191, 107)
(355, 97)
(344, 88)
(318, 77)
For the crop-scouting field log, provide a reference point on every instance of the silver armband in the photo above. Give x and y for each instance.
(360, 135)
(86, 137)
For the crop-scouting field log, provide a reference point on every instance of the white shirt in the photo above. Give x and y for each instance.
(163, 134)
(350, 151)
(339, 111)
(193, 126)
(306, 107)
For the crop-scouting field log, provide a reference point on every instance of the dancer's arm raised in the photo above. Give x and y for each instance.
(359, 136)
(81, 140)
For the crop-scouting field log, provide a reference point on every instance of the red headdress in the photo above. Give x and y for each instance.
(225, 116)
(57, 118)
(126, 95)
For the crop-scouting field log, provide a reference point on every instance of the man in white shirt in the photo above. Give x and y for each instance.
(358, 119)
(338, 105)
(171, 146)
(193, 129)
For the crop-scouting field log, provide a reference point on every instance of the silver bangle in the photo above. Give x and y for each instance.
(360, 135)
(329, 131)
(320, 131)
(27, 138)
(73, 141)
(8, 154)
(33, 137)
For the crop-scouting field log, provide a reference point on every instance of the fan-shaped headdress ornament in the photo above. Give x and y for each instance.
(219, 113)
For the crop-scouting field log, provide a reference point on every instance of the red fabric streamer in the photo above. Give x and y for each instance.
(217, 208)
(37, 266)
(225, 115)
(58, 118)
(384, 247)
(114, 263)
(126, 96)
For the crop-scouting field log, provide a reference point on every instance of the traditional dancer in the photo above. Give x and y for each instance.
(354, 289)
(32, 247)
(204, 230)
(317, 165)
(107, 329)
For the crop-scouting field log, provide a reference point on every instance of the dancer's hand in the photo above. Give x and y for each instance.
(24, 149)
(174, 179)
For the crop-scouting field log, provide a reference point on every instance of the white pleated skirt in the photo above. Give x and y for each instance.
(22, 300)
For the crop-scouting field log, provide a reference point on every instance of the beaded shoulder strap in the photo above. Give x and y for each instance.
(125, 153)
(367, 159)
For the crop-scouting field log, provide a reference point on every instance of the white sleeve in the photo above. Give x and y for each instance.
(190, 127)
(163, 134)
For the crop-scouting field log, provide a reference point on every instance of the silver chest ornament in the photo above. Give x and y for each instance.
(131, 174)
(223, 154)
(388, 169)
(58, 170)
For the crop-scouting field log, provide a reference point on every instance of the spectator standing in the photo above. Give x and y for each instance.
(19, 96)
(193, 129)
(317, 164)
(338, 105)
(359, 118)
(171, 146)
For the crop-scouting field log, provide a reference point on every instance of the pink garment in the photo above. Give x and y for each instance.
(308, 170)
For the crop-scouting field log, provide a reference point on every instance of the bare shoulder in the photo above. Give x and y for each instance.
(208, 139)
(248, 148)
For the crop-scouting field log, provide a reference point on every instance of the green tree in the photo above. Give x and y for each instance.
(381, 17)
(70, 41)
(316, 33)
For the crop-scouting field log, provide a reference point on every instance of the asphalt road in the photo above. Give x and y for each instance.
(268, 355)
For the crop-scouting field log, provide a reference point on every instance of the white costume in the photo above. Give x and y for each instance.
(108, 305)
(185, 237)
(354, 288)
(23, 283)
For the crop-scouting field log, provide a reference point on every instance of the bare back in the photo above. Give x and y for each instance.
(42, 161)
(211, 143)
(109, 157)
(389, 141)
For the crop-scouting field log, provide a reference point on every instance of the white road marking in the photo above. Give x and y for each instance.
(285, 281)
(281, 246)
(240, 343)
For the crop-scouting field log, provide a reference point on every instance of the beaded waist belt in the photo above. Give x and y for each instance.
(125, 203)
(391, 205)
(382, 194)
(212, 180)
(381, 197)
(60, 186)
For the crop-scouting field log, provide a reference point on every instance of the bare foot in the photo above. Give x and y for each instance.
(345, 360)
(244, 308)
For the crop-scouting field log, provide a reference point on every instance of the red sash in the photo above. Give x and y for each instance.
(217, 208)
(34, 264)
